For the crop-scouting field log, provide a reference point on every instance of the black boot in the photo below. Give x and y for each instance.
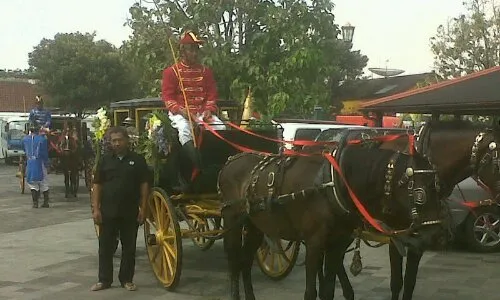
(193, 154)
(34, 195)
(45, 199)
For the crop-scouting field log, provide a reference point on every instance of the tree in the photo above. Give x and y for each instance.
(287, 51)
(80, 73)
(470, 42)
(17, 73)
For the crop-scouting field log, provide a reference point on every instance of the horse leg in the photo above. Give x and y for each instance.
(321, 274)
(252, 241)
(345, 283)
(232, 247)
(66, 183)
(74, 173)
(412, 263)
(314, 252)
(334, 265)
(396, 271)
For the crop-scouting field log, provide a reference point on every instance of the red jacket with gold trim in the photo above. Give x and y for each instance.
(199, 86)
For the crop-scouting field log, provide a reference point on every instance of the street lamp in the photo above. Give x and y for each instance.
(347, 32)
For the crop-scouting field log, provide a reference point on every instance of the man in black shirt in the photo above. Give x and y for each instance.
(119, 197)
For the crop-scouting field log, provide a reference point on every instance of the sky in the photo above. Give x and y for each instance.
(392, 33)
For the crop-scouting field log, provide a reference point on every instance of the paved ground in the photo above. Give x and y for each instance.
(51, 254)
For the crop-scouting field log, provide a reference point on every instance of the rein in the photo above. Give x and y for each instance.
(328, 156)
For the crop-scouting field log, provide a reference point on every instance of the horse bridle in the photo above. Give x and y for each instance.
(417, 196)
(489, 158)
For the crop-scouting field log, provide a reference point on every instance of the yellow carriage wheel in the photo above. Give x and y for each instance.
(203, 225)
(277, 261)
(163, 239)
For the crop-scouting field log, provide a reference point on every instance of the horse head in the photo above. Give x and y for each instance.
(461, 149)
(485, 162)
(458, 149)
(417, 192)
(68, 142)
(403, 193)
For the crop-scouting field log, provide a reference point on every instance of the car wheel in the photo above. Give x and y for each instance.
(482, 230)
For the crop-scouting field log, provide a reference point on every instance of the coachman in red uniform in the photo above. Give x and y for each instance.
(194, 81)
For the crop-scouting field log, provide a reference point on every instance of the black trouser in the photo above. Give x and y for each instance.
(127, 228)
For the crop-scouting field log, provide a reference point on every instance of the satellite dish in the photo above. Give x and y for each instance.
(386, 72)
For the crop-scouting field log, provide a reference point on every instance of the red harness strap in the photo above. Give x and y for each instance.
(239, 147)
(295, 143)
(364, 212)
(355, 199)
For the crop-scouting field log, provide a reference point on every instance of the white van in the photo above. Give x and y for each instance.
(13, 131)
(3, 142)
(306, 130)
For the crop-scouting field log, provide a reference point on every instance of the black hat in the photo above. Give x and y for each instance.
(33, 126)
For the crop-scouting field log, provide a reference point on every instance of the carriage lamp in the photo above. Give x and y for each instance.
(492, 146)
(347, 32)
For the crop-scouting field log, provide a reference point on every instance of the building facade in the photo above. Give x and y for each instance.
(18, 95)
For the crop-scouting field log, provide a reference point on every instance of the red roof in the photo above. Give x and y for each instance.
(463, 93)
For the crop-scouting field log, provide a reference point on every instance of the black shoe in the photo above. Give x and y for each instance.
(34, 196)
(45, 199)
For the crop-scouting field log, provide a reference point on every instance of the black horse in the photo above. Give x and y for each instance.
(295, 198)
(458, 149)
(70, 160)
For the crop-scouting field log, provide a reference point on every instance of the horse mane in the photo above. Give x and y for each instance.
(368, 164)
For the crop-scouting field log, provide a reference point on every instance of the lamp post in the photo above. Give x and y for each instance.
(347, 32)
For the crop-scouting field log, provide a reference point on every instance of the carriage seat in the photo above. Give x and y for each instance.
(214, 153)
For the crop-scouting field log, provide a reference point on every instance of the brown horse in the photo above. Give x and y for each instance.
(69, 158)
(294, 198)
(458, 149)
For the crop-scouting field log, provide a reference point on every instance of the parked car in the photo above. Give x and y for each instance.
(475, 217)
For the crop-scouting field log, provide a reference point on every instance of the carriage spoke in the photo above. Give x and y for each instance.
(168, 268)
(280, 259)
(156, 251)
(158, 210)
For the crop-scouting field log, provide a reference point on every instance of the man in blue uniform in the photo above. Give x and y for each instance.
(37, 157)
(40, 116)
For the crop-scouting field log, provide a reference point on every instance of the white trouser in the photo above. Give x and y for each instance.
(43, 185)
(182, 126)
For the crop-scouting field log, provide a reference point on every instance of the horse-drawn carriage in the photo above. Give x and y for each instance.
(66, 141)
(196, 215)
(173, 216)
